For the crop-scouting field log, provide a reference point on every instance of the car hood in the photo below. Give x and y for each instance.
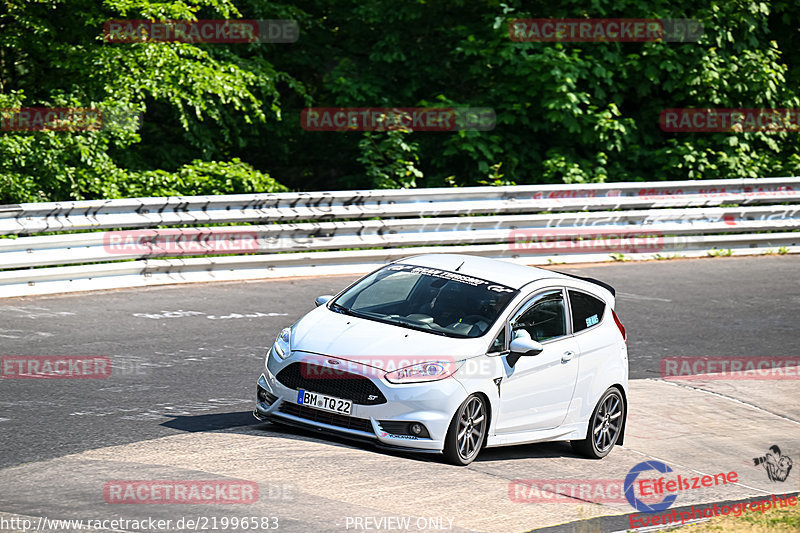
(326, 332)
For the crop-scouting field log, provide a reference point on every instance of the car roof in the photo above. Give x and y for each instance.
(494, 270)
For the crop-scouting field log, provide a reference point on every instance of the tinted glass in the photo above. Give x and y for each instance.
(545, 319)
(427, 299)
(586, 310)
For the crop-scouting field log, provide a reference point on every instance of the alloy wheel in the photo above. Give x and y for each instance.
(607, 423)
(471, 428)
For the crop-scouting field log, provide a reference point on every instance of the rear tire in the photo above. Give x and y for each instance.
(605, 426)
(467, 431)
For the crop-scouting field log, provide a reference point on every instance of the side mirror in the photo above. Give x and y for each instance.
(322, 300)
(523, 344)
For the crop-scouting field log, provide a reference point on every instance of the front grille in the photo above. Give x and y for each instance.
(332, 419)
(336, 383)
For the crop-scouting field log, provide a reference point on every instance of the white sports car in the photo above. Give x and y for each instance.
(449, 353)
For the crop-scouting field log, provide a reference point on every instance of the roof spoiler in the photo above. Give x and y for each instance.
(603, 284)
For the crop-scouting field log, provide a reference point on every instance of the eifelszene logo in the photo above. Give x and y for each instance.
(667, 487)
(638, 504)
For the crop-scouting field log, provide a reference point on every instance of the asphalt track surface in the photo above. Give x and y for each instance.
(186, 358)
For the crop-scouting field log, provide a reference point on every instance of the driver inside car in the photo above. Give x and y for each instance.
(448, 311)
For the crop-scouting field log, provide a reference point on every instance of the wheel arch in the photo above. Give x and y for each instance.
(489, 416)
(621, 390)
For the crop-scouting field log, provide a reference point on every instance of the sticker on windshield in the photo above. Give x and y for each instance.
(499, 288)
(450, 276)
(444, 274)
(592, 320)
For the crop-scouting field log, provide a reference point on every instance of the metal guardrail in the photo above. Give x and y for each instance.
(299, 234)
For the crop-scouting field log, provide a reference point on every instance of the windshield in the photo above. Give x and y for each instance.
(427, 299)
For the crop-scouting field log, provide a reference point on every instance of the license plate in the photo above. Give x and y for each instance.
(326, 403)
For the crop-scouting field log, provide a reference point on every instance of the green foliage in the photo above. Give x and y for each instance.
(566, 112)
(200, 178)
(719, 252)
(390, 160)
(198, 102)
(495, 178)
(223, 118)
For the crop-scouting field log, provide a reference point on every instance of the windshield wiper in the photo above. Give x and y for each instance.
(402, 324)
(347, 311)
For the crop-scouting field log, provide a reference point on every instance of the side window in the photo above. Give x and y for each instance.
(586, 310)
(499, 343)
(545, 319)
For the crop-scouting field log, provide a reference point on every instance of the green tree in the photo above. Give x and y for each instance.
(196, 101)
(226, 117)
(566, 112)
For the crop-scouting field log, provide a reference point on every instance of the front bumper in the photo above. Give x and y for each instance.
(431, 404)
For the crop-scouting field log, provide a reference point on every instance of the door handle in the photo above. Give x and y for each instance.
(567, 357)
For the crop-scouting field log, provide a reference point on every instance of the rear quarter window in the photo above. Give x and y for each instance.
(586, 310)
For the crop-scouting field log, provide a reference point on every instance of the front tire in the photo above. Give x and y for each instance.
(605, 426)
(467, 431)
